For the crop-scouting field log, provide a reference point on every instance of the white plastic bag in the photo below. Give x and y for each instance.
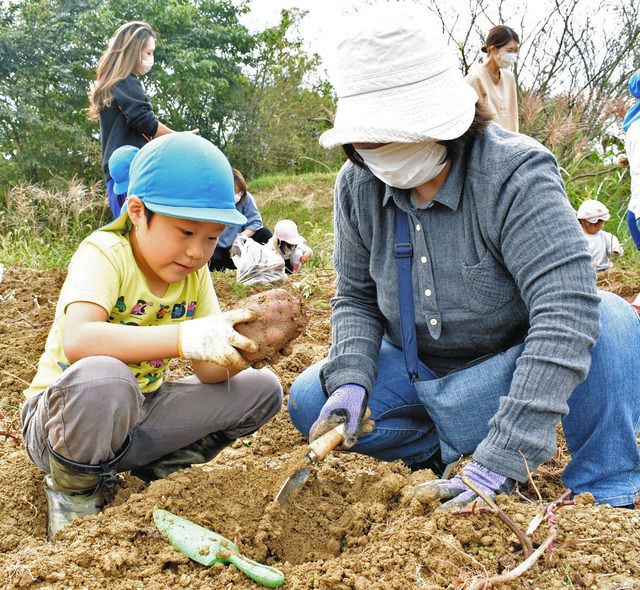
(256, 264)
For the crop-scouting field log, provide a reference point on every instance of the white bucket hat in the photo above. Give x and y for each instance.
(396, 79)
(287, 231)
(593, 211)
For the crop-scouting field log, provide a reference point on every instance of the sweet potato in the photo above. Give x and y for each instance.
(280, 319)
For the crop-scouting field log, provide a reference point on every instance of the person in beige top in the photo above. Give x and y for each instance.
(492, 80)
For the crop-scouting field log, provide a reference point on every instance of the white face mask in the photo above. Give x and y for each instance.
(237, 198)
(406, 165)
(507, 59)
(147, 64)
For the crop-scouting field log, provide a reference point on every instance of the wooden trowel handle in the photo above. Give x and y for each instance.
(324, 444)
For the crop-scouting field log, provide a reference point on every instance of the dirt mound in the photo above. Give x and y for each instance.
(354, 525)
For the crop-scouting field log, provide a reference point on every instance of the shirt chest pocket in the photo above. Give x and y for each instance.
(489, 286)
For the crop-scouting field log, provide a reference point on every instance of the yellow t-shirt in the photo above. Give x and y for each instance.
(104, 271)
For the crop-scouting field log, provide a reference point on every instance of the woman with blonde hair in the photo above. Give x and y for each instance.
(118, 100)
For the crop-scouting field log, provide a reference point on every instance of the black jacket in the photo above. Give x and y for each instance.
(129, 120)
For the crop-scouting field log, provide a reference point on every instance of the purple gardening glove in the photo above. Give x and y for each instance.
(458, 494)
(346, 404)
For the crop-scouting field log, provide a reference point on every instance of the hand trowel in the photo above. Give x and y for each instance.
(209, 548)
(318, 450)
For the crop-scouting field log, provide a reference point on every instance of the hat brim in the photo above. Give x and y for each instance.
(441, 107)
(120, 188)
(225, 216)
(295, 241)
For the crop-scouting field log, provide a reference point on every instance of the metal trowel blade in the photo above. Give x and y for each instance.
(292, 486)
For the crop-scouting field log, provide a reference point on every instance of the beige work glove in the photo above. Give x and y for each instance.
(213, 339)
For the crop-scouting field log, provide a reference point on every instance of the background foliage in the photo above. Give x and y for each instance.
(263, 99)
(244, 91)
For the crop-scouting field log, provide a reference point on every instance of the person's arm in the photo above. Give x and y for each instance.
(534, 228)
(356, 320)
(162, 130)
(632, 145)
(474, 81)
(616, 247)
(135, 106)
(251, 212)
(87, 333)
(306, 253)
(208, 304)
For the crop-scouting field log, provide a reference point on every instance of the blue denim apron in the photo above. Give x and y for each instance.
(461, 404)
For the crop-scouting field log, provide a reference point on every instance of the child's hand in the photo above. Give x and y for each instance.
(213, 339)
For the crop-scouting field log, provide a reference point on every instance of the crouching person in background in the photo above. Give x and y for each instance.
(252, 228)
(138, 293)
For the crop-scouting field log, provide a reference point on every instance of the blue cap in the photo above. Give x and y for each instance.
(119, 163)
(182, 175)
(634, 84)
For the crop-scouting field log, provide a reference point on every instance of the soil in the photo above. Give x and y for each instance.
(353, 526)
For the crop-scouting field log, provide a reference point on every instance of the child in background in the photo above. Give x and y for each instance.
(253, 228)
(602, 244)
(289, 244)
(119, 101)
(138, 293)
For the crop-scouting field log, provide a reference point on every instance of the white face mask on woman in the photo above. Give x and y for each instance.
(507, 59)
(406, 165)
(147, 64)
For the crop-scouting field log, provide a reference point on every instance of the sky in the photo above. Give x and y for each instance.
(525, 16)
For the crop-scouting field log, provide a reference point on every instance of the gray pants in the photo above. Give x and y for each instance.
(88, 412)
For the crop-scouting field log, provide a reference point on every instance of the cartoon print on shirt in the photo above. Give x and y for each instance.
(157, 363)
(140, 307)
(191, 309)
(178, 310)
(152, 378)
(63, 366)
(162, 311)
(120, 305)
(129, 323)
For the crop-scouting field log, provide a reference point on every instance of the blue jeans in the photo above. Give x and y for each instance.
(115, 201)
(414, 419)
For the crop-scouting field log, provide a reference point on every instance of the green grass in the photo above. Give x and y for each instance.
(41, 228)
(270, 181)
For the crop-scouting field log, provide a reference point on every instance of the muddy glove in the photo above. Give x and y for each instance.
(346, 404)
(458, 494)
(213, 339)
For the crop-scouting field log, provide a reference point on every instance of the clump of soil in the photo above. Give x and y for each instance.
(353, 526)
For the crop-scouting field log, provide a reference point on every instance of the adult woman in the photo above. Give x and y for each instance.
(631, 126)
(492, 80)
(494, 312)
(246, 204)
(118, 100)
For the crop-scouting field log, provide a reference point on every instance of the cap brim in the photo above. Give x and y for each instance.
(120, 188)
(225, 216)
(439, 108)
(213, 215)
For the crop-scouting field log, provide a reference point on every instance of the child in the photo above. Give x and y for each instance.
(138, 293)
(246, 204)
(289, 244)
(118, 100)
(602, 245)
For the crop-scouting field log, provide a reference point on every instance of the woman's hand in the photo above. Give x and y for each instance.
(347, 404)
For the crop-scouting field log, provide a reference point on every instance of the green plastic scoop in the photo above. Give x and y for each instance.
(208, 548)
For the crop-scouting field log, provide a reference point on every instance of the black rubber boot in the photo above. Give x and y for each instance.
(201, 451)
(75, 490)
(435, 463)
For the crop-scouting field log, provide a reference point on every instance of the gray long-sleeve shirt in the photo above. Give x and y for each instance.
(498, 257)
